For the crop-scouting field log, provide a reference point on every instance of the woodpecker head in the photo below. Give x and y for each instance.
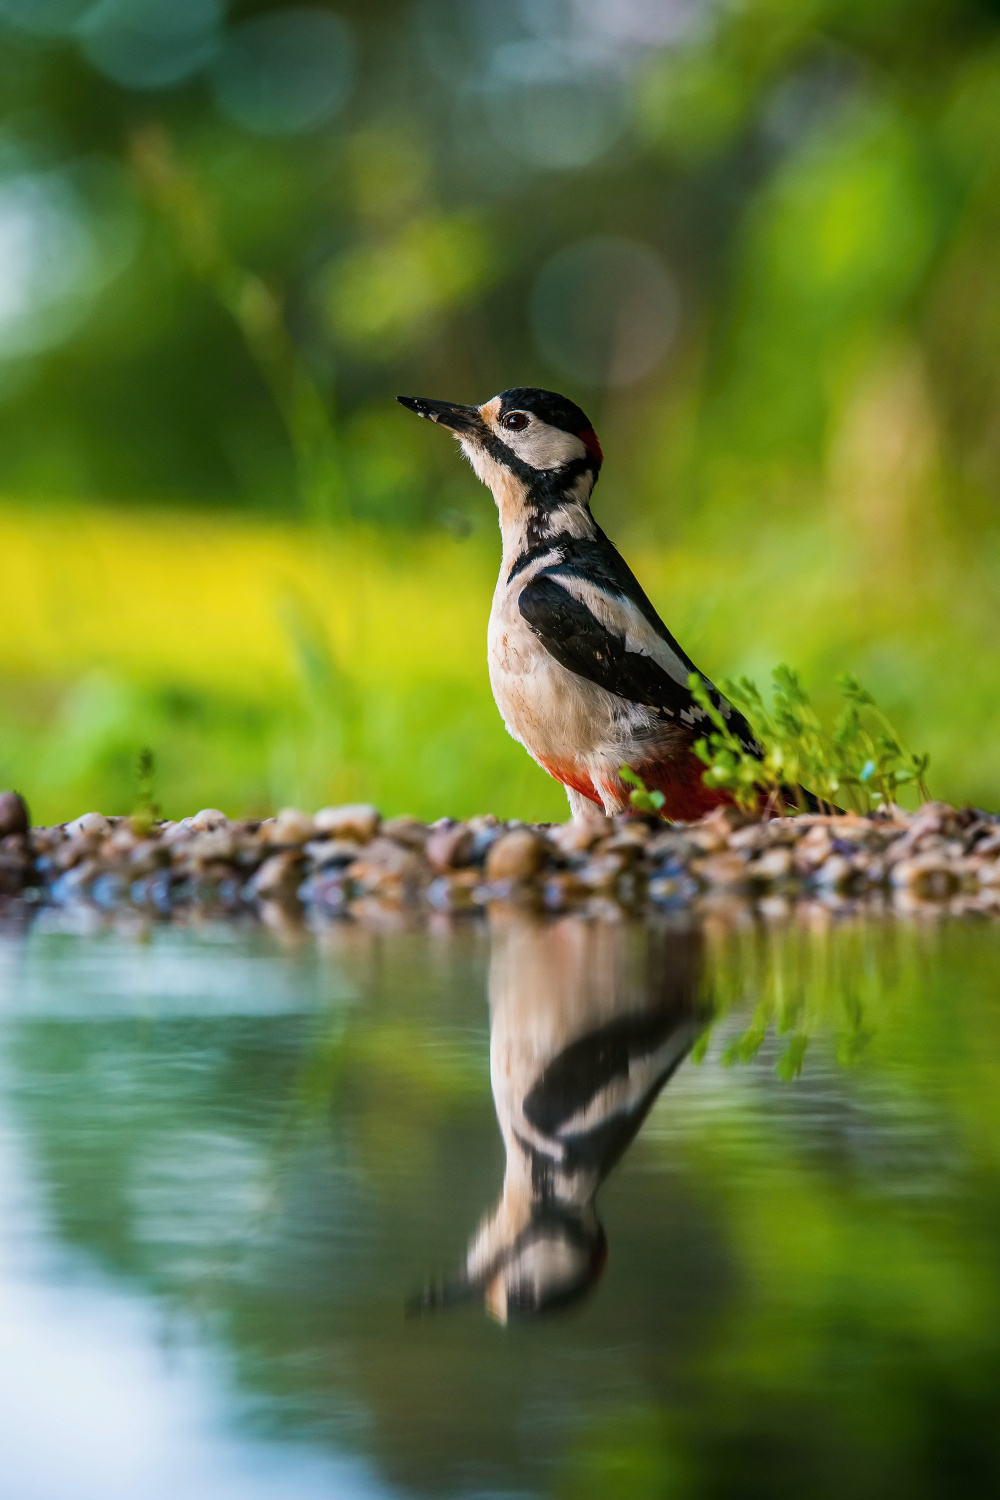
(554, 1260)
(536, 450)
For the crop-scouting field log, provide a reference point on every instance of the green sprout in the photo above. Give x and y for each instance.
(862, 761)
(641, 798)
(147, 811)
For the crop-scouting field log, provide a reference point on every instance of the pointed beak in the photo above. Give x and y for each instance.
(460, 419)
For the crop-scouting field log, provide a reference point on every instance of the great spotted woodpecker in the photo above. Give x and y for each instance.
(584, 672)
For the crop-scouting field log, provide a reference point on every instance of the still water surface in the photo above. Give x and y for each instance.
(329, 1217)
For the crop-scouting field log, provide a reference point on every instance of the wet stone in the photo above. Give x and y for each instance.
(409, 832)
(581, 834)
(346, 863)
(93, 823)
(773, 865)
(291, 827)
(516, 855)
(450, 848)
(278, 878)
(13, 814)
(332, 852)
(207, 818)
(356, 821)
(454, 893)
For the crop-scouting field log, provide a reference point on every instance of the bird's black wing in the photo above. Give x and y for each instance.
(592, 1098)
(572, 633)
(596, 560)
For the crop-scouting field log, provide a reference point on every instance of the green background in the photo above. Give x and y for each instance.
(757, 242)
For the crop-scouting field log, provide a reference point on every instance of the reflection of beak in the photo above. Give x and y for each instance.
(461, 419)
(445, 1294)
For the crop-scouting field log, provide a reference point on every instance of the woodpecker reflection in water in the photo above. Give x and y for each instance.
(588, 1021)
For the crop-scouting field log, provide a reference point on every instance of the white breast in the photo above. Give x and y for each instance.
(557, 716)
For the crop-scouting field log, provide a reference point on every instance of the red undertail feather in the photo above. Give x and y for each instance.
(574, 777)
(686, 798)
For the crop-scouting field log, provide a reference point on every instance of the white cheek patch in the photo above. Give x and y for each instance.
(542, 446)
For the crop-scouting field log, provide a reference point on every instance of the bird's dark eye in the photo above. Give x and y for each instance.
(515, 421)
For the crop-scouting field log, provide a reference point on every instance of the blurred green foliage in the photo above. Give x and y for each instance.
(758, 242)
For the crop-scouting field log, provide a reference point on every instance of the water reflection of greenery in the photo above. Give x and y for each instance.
(803, 1289)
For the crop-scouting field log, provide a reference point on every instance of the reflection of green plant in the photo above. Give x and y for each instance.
(861, 760)
(800, 981)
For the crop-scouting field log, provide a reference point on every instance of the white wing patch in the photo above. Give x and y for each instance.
(625, 1092)
(618, 615)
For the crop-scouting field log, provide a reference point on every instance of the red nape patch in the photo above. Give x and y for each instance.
(588, 437)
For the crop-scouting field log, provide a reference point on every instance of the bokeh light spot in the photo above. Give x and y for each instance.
(146, 44)
(385, 295)
(46, 255)
(604, 311)
(560, 123)
(285, 72)
(45, 17)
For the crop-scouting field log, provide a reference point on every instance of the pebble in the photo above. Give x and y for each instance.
(278, 878)
(347, 863)
(836, 873)
(92, 822)
(773, 865)
(335, 851)
(209, 817)
(581, 834)
(450, 848)
(926, 876)
(13, 814)
(357, 821)
(291, 826)
(409, 832)
(724, 868)
(455, 892)
(517, 855)
(601, 873)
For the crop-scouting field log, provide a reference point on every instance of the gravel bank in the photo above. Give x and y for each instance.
(349, 863)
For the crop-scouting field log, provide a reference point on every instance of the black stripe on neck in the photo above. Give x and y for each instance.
(539, 549)
(546, 487)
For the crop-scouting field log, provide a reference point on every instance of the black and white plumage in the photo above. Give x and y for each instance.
(588, 1022)
(585, 673)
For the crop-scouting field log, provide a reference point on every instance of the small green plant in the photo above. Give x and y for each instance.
(641, 799)
(862, 761)
(147, 811)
